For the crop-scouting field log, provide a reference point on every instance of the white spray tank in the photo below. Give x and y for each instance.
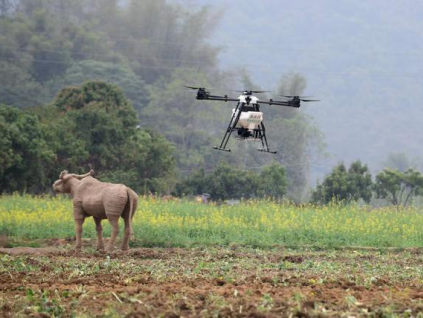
(249, 119)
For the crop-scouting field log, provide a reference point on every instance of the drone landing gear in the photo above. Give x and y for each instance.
(267, 150)
(222, 149)
(243, 133)
(261, 134)
(231, 127)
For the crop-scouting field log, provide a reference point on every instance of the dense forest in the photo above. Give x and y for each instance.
(51, 49)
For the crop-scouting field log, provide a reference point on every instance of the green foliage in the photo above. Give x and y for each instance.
(161, 36)
(90, 126)
(46, 44)
(344, 185)
(118, 74)
(24, 152)
(97, 128)
(187, 123)
(272, 182)
(178, 223)
(397, 187)
(225, 182)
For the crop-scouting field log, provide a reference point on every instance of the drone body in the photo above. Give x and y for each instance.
(247, 119)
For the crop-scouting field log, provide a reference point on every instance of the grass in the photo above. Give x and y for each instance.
(176, 223)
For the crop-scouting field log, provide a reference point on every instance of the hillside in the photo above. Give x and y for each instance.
(363, 59)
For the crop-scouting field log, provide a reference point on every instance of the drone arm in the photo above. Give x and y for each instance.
(279, 103)
(218, 98)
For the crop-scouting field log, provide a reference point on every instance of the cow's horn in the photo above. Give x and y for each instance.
(62, 174)
(82, 176)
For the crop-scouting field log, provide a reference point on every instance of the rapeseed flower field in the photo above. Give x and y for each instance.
(175, 223)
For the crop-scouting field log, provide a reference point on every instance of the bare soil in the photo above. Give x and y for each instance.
(221, 282)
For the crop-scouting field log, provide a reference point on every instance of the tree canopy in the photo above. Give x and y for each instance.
(24, 152)
(397, 187)
(225, 182)
(88, 126)
(345, 185)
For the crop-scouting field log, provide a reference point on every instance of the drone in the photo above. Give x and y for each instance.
(247, 119)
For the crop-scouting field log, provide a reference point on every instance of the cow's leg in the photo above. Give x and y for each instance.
(127, 234)
(99, 229)
(78, 231)
(114, 221)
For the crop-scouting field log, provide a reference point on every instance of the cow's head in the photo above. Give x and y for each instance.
(62, 185)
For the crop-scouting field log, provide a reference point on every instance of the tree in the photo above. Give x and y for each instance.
(397, 187)
(97, 128)
(344, 185)
(24, 152)
(225, 182)
(36, 47)
(113, 73)
(399, 161)
(272, 182)
(300, 142)
(189, 124)
(194, 184)
(18, 88)
(159, 36)
(222, 183)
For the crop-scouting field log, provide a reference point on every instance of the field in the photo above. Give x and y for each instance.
(257, 259)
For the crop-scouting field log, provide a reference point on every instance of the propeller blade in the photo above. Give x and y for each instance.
(310, 100)
(259, 92)
(255, 92)
(192, 87)
(292, 96)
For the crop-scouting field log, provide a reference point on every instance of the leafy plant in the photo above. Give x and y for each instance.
(398, 188)
(344, 185)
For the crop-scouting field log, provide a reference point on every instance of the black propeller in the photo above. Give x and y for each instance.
(251, 92)
(192, 87)
(301, 98)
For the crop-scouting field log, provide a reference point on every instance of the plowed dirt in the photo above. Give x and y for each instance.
(218, 282)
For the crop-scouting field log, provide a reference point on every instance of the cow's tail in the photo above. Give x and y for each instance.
(133, 203)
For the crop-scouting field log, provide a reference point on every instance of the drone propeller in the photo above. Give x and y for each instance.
(255, 92)
(196, 88)
(292, 96)
(301, 98)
